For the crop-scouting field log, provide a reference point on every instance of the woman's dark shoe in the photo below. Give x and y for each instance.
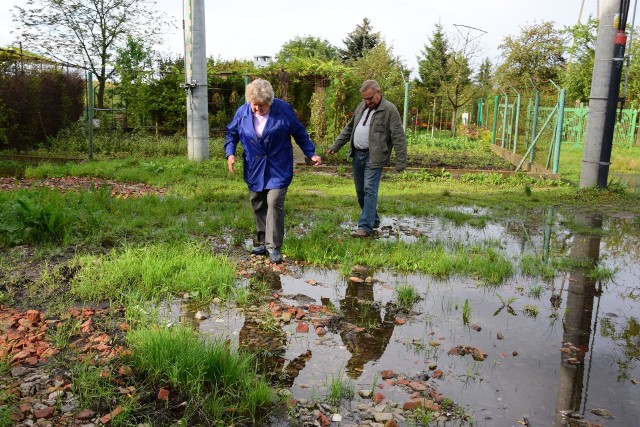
(259, 250)
(275, 256)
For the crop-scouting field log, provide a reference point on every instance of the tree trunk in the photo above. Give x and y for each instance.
(100, 94)
(454, 124)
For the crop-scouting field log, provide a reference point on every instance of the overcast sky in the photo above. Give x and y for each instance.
(242, 29)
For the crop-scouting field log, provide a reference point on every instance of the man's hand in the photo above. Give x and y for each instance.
(230, 161)
(316, 160)
(330, 151)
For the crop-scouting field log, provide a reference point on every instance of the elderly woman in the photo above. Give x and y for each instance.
(264, 126)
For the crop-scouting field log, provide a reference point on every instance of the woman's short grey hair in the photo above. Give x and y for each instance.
(259, 91)
(369, 84)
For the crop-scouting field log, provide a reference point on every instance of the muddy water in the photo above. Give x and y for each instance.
(558, 348)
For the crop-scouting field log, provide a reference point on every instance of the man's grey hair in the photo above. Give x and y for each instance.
(259, 91)
(369, 84)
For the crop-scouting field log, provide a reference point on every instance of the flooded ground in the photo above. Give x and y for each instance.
(532, 351)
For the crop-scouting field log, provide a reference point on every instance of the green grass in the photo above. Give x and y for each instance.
(623, 160)
(466, 312)
(407, 296)
(154, 271)
(218, 379)
(339, 388)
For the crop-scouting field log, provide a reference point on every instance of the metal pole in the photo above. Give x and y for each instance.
(515, 135)
(90, 112)
(504, 119)
(536, 107)
(406, 105)
(559, 123)
(494, 125)
(599, 94)
(196, 81)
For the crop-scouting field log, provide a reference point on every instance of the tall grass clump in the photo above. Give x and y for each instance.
(93, 386)
(219, 380)
(339, 388)
(154, 271)
(407, 296)
(36, 218)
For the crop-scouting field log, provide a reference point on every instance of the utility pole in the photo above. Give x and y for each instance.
(605, 88)
(195, 85)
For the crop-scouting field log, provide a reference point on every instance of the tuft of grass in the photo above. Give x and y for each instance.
(536, 291)
(602, 274)
(34, 220)
(533, 266)
(61, 335)
(407, 296)
(466, 312)
(339, 388)
(530, 310)
(154, 271)
(220, 380)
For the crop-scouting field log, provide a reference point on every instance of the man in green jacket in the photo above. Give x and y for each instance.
(374, 130)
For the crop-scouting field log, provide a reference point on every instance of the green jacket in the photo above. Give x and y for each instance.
(385, 132)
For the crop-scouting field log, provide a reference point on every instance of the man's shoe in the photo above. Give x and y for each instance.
(361, 233)
(259, 250)
(274, 256)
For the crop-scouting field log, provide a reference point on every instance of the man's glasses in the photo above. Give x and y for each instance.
(369, 98)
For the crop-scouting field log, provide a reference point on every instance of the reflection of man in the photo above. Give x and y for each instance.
(364, 332)
(577, 321)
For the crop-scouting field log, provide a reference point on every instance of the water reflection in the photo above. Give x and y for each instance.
(367, 326)
(577, 321)
(262, 334)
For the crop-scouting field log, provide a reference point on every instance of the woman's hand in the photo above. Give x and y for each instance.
(230, 161)
(316, 160)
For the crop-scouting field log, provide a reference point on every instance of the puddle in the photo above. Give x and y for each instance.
(566, 347)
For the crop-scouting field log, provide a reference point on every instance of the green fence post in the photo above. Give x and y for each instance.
(556, 158)
(632, 127)
(534, 126)
(494, 126)
(504, 119)
(515, 135)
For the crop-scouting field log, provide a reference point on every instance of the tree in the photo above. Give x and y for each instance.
(381, 65)
(537, 54)
(359, 41)
(88, 31)
(133, 65)
(458, 86)
(307, 47)
(432, 66)
(577, 78)
(484, 77)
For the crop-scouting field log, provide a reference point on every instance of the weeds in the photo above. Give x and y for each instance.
(407, 296)
(536, 291)
(33, 221)
(506, 304)
(466, 312)
(530, 310)
(215, 376)
(339, 388)
(602, 274)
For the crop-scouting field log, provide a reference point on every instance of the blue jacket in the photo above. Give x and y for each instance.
(268, 161)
